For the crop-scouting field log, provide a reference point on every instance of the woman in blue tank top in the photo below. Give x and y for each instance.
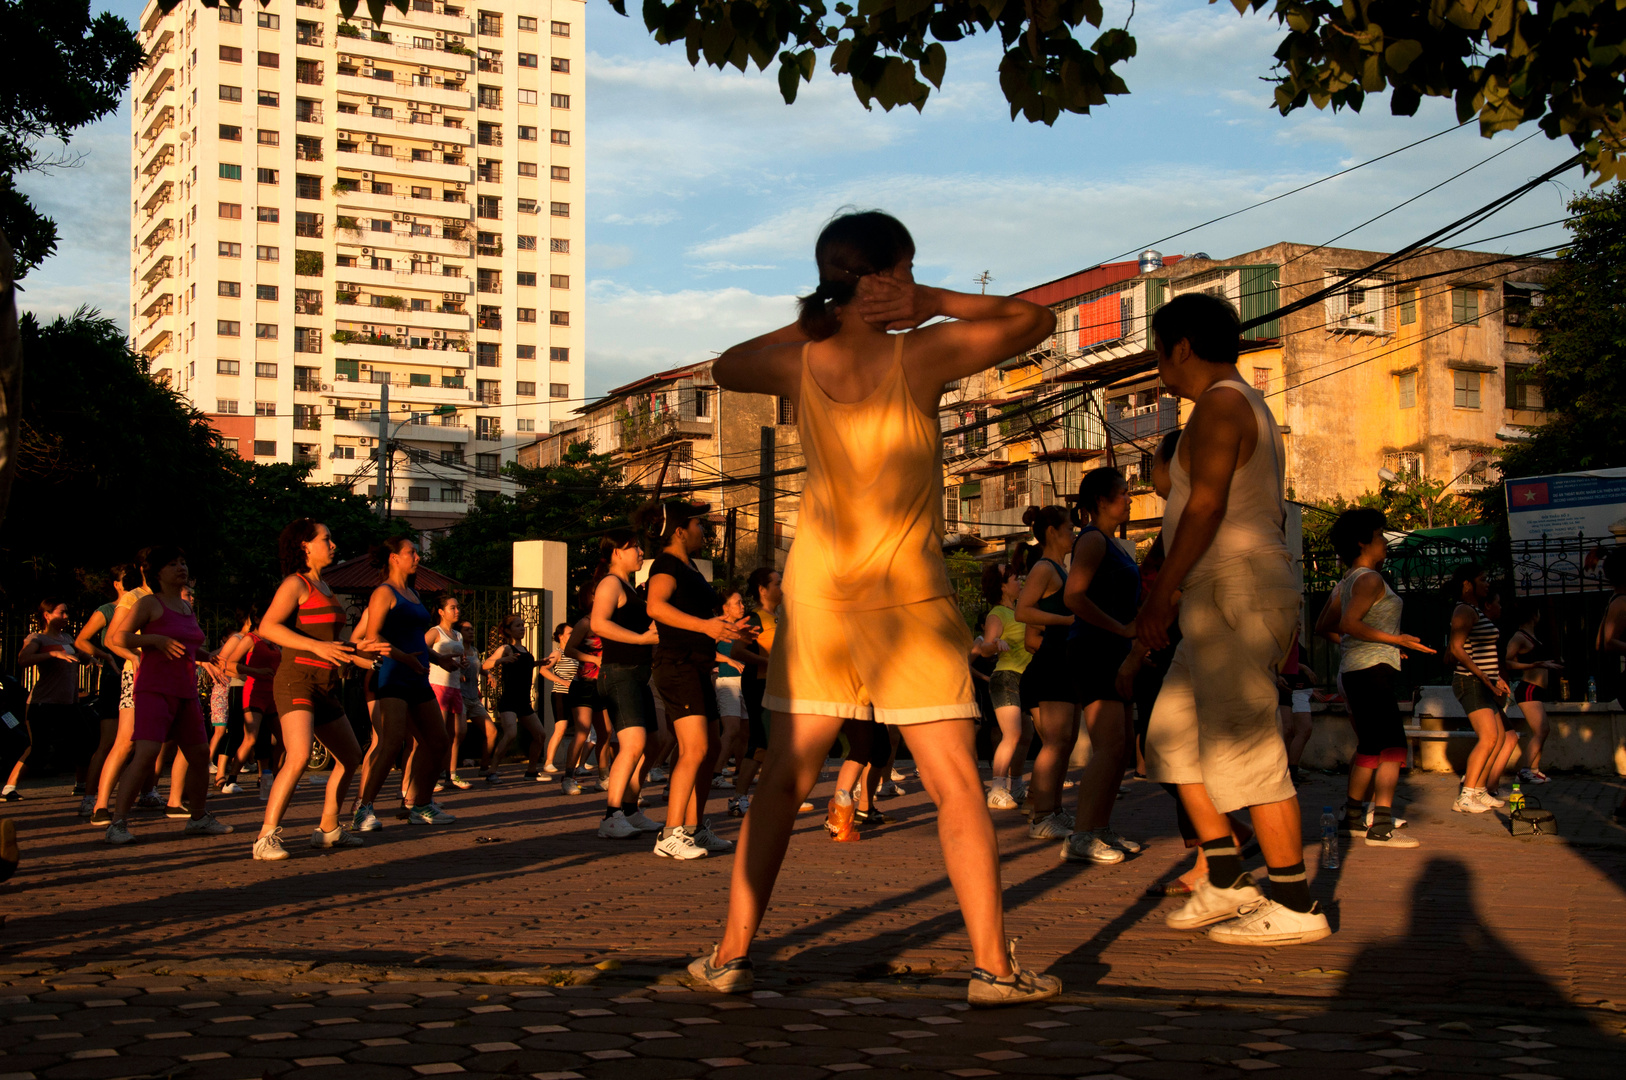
(406, 702)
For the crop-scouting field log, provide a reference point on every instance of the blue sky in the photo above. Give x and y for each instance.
(705, 192)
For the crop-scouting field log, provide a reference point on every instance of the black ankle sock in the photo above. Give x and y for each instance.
(1383, 821)
(1354, 810)
(610, 811)
(1290, 888)
(630, 808)
(1224, 864)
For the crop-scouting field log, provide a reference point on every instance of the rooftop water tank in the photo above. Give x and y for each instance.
(1150, 260)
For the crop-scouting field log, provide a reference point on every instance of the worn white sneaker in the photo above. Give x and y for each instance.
(340, 837)
(429, 815)
(643, 824)
(118, 834)
(999, 798)
(1394, 839)
(657, 774)
(1468, 803)
(987, 990)
(365, 820)
(1489, 799)
(1050, 827)
(1089, 847)
(1265, 922)
(1122, 843)
(207, 825)
(734, 977)
(676, 844)
(268, 848)
(1209, 905)
(570, 786)
(1533, 776)
(617, 827)
(704, 838)
(231, 788)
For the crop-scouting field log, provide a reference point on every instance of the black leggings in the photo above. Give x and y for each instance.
(868, 742)
(14, 741)
(1374, 711)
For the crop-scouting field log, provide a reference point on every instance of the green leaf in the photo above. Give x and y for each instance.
(789, 77)
(1400, 55)
(934, 64)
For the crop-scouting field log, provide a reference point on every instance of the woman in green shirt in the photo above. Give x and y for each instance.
(1003, 636)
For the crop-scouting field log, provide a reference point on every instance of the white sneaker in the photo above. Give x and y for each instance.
(1050, 827)
(999, 798)
(617, 827)
(207, 825)
(118, 834)
(1468, 803)
(1266, 922)
(365, 820)
(1209, 905)
(340, 837)
(643, 824)
(1487, 797)
(807, 805)
(710, 841)
(1089, 847)
(429, 815)
(1123, 844)
(1400, 822)
(1394, 839)
(268, 848)
(888, 790)
(233, 788)
(657, 774)
(676, 844)
(898, 776)
(570, 786)
(1531, 776)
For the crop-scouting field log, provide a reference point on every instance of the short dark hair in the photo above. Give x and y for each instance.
(157, 557)
(851, 246)
(1354, 528)
(994, 577)
(1207, 323)
(758, 581)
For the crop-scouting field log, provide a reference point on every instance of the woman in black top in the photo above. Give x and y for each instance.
(1047, 683)
(682, 603)
(628, 636)
(513, 664)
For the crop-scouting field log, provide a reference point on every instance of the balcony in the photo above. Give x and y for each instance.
(311, 36)
(160, 123)
(158, 198)
(308, 73)
(452, 95)
(490, 320)
(309, 228)
(308, 114)
(1145, 423)
(490, 138)
(643, 428)
(164, 230)
(164, 156)
(403, 166)
(493, 66)
(401, 204)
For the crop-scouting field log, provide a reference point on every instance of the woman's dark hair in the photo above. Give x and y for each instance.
(1041, 519)
(48, 604)
(994, 577)
(608, 544)
(664, 518)
(1356, 527)
(724, 591)
(1167, 445)
(850, 247)
(1527, 610)
(379, 554)
(444, 599)
(499, 629)
(1207, 323)
(157, 557)
(562, 628)
(1461, 576)
(291, 544)
(1098, 484)
(757, 582)
(123, 574)
(1614, 566)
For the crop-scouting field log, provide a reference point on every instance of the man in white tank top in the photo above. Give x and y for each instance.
(1213, 731)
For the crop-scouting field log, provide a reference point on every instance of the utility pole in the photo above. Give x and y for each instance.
(384, 449)
(983, 279)
(729, 538)
(765, 489)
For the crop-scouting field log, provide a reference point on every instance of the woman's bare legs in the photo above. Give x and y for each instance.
(1535, 714)
(389, 733)
(456, 725)
(1058, 728)
(1010, 736)
(1504, 754)
(945, 751)
(622, 786)
(562, 722)
(1098, 787)
(98, 760)
(423, 767)
(510, 730)
(697, 739)
(1487, 724)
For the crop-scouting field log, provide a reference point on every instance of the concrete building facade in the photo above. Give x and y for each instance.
(326, 211)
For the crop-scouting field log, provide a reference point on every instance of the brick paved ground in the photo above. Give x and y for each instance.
(427, 949)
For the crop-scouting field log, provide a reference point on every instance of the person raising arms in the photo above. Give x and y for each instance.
(871, 627)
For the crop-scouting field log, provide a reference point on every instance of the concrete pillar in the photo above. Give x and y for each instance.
(542, 564)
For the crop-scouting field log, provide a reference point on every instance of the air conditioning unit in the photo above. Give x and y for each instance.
(343, 135)
(439, 333)
(366, 330)
(343, 59)
(366, 251)
(400, 329)
(365, 442)
(372, 101)
(999, 453)
(459, 186)
(366, 176)
(372, 138)
(423, 70)
(440, 35)
(434, 108)
(438, 146)
(1359, 307)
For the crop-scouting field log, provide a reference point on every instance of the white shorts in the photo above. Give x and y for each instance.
(1301, 701)
(729, 700)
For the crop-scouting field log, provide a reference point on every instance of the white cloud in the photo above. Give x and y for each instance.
(632, 331)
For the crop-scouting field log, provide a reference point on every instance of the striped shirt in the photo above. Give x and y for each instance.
(1483, 644)
(567, 668)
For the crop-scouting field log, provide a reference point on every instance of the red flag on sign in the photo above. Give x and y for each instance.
(1520, 496)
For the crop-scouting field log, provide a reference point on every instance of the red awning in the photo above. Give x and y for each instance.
(360, 575)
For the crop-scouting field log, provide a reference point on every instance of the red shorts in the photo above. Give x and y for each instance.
(169, 717)
(257, 694)
(449, 698)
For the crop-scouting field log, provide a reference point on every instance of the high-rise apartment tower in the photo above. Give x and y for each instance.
(327, 212)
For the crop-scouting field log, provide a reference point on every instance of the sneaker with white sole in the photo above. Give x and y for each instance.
(617, 827)
(734, 977)
(1265, 922)
(1050, 827)
(642, 823)
(704, 838)
(340, 837)
(207, 825)
(231, 787)
(898, 776)
(1533, 776)
(1122, 843)
(677, 844)
(1400, 822)
(459, 783)
(1209, 905)
(999, 798)
(658, 773)
(1489, 799)
(1467, 803)
(268, 848)
(87, 806)
(721, 782)
(1089, 847)
(1393, 839)
(117, 833)
(429, 815)
(986, 990)
(365, 820)
(888, 790)
(571, 786)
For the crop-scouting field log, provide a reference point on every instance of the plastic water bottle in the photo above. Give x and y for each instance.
(1329, 839)
(1592, 691)
(1516, 800)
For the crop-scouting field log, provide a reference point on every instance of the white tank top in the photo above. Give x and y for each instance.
(446, 645)
(1256, 512)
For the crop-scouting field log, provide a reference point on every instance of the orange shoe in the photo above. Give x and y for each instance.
(838, 822)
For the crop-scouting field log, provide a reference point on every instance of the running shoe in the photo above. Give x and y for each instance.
(571, 786)
(441, 815)
(1400, 822)
(532, 774)
(492, 777)
(704, 838)
(78, 791)
(207, 825)
(898, 775)
(427, 815)
(10, 795)
(459, 783)
(440, 786)
(734, 807)
(987, 990)
(150, 800)
(677, 844)
(1392, 838)
(177, 813)
(365, 820)
(1468, 803)
(231, 788)
(86, 805)
(1265, 922)
(734, 977)
(1000, 798)
(807, 804)
(340, 837)
(617, 827)
(1209, 905)
(642, 823)
(1089, 847)
(1533, 776)
(658, 774)
(888, 790)
(720, 782)
(1050, 827)
(1122, 843)
(117, 833)
(1489, 798)
(838, 822)
(551, 769)
(268, 848)
(871, 818)
(601, 784)
(101, 817)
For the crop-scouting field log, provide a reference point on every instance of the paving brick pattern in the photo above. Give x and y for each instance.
(551, 953)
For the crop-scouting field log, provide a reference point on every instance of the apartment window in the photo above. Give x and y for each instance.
(231, 93)
(1261, 379)
(1408, 390)
(1523, 391)
(527, 133)
(559, 172)
(487, 354)
(267, 138)
(307, 224)
(525, 425)
(524, 352)
(526, 168)
(227, 367)
(1465, 389)
(561, 29)
(702, 404)
(230, 14)
(228, 328)
(559, 247)
(525, 278)
(558, 281)
(527, 23)
(526, 97)
(559, 64)
(786, 411)
(265, 292)
(525, 243)
(268, 21)
(382, 225)
(226, 406)
(559, 138)
(490, 24)
(266, 176)
(559, 209)
(558, 318)
(559, 355)
(231, 210)
(269, 98)
(347, 370)
(525, 389)
(267, 254)
(307, 339)
(488, 206)
(265, 408)
(344, 453)
(265, 447)
(270, 59)
(231, 54)
(265, 370)
(231, 133)
(527, 206)
(525, 314)
(488, 281)
(1465, 307)
(558, 390)
(1406, 295)
(527, 60)
(266, 331)
(231, 172)
(491, 97)
(559, 101)
(486, 465)
(268, 213)
(228, 250)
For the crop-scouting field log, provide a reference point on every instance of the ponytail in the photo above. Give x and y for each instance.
(850, 247)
